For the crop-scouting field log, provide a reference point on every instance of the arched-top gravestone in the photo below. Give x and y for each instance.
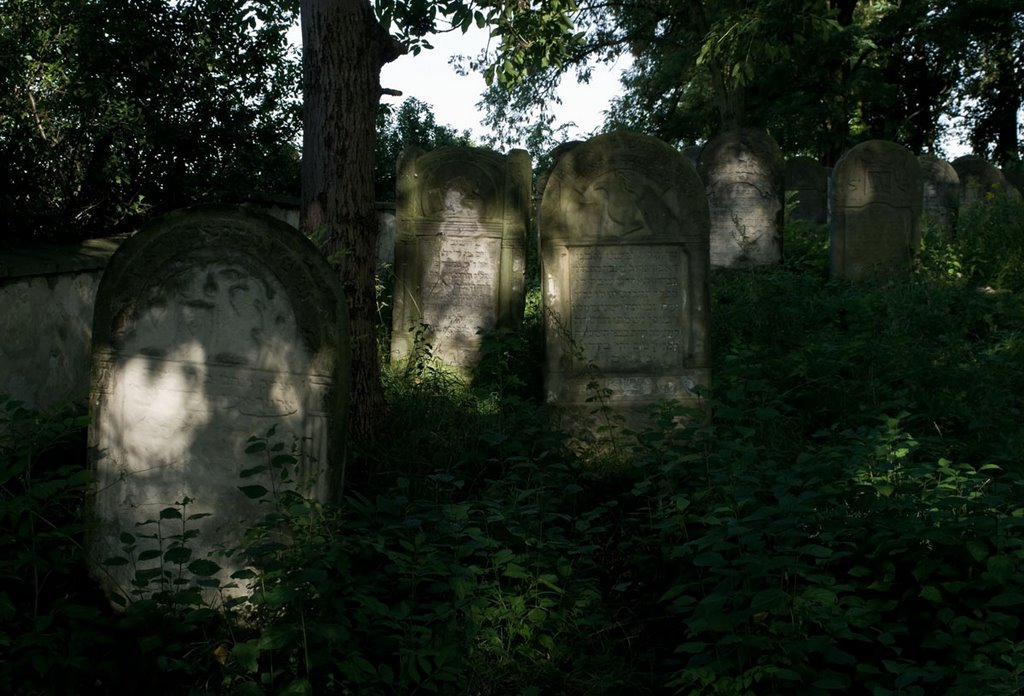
(212, 325)
(808, 181)
(876, 211)
(624, 275)
(460, 258)
(941, 192)
(978, 178)
(742, 170)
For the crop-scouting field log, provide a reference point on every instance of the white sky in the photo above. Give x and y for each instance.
(453, 98)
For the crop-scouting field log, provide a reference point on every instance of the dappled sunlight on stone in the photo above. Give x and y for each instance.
(195, 355)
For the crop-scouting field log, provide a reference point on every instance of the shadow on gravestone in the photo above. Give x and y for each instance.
(212, 325)
(742, 171)
(624, 277)
(460, 256)
(875, 199)
(940, 194)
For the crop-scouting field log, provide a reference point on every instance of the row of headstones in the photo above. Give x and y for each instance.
(213, 325)
(622, 248)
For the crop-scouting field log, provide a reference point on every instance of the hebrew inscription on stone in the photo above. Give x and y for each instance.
(624, 270)
(460, 259)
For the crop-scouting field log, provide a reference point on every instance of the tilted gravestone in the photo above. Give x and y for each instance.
(212, 325)
(742, 170)
(978, 179)
(940, 193)
(876, 211)
(624, 275)
(808, 181)
(460, 257)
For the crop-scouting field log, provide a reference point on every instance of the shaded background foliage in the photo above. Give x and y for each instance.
(121, 108)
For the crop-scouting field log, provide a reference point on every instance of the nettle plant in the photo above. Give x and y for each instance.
(161, 551)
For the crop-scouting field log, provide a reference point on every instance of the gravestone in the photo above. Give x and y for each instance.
(978, 179)
(742, 170)
(808, 181)
(692, 154)
(386, 231)
(876, 211)
(624, 277)
(940, 193)
(212, 325)
(460, 260)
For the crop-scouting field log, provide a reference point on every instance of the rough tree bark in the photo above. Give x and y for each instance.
(343, 50)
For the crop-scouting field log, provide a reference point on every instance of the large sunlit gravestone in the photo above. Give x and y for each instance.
(940, 193)
(808, 181)
(212, 325)
(460, 256)
(624, 274)
(742, 170)
(876, 198)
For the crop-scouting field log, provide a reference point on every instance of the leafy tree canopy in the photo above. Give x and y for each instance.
(819, 74)
(117, 108)
(411, 124)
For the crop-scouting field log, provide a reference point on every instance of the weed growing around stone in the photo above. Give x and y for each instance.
(848, 520)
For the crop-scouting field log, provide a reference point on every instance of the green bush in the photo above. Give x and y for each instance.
(847, 520)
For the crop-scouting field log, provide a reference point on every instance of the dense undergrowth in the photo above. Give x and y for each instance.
(849, 520)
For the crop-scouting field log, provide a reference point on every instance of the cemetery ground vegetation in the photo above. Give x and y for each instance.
(844, 517)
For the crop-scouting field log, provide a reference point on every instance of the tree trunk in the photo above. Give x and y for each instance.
(343, 50)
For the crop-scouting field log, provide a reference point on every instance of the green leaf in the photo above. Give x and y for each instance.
(1007, 599)
(203, 567)
(255, 446)
(247, 654)
(299, 687)
(931, 593)
(178, 555)
(127, 538)
(149, 554)
(170, 513)
(253, 492)
(978, 550)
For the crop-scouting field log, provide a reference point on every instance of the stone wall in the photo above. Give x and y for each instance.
(47, 295)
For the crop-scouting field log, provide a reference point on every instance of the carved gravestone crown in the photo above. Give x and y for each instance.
(212, 325)
(624, 274)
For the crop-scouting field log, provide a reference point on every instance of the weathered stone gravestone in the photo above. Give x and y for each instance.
(460, 258)
(978, 179)
(808, 181)
(742, 171)
(212, 325)
(940, 193)
(876, 211)
(692, 154)
(386, 232)
(624, 274)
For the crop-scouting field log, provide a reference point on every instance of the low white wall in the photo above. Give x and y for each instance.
(46, 303)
